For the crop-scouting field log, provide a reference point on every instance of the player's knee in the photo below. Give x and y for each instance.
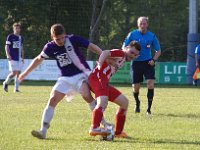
(102, 101)
(121, 111)
(15, 72)
(100, 107)
(125, 104)
(12, 74)
(136, 88)
(150, 84)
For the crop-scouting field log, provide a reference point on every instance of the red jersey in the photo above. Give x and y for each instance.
(99, 79)
(108, 70)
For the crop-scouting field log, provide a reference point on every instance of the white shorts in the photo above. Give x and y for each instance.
(15, 65)
(70, 85)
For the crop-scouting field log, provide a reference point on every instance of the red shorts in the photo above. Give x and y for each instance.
(101, 87)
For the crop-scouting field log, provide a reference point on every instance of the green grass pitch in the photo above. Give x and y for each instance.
(175, 123)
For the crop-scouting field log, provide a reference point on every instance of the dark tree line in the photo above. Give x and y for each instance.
(168, 20)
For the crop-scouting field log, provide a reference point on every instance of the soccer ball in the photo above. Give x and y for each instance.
(110, 128)
(109, 137)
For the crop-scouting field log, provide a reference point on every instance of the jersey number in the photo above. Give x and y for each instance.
(16, 44)
(64, 59)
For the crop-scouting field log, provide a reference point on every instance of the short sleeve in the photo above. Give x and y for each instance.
(79, 41)
(45, 53)
(8, 40)
(156, 45)
(127, 40)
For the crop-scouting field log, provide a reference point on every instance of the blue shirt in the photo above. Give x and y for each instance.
(67, 59)
(147, 41)
(14, 43)
(197, 51)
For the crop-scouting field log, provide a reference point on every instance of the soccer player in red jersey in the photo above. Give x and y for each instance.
(108, 63)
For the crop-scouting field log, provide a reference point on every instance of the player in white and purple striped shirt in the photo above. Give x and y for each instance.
(65, 49)
(15, 55)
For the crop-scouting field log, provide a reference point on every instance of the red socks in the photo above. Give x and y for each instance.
(97, 115)
(120, 120)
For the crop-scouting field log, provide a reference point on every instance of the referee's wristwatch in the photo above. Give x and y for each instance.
(154, 60)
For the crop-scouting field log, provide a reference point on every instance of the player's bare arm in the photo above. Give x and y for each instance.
(7, 52)
(104, 55)
(156, 56)
(94, 48)
(38, 60)
(22, 54)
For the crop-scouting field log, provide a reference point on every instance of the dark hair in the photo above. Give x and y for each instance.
(135, 44)
(57, 29)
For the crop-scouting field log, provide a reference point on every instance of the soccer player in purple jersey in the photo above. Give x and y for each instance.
(15, 55)
(74, 71)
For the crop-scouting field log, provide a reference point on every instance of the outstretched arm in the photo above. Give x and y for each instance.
(38, 60)
(94, 48)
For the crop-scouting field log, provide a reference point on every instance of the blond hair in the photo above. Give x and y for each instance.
(142, 18)
(16, 24)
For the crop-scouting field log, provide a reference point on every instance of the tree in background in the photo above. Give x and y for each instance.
(98, 10)
(37, 17)
(168, 20)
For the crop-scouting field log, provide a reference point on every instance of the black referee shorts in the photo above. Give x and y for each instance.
(141, 69)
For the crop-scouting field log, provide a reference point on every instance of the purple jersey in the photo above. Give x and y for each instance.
(15, 46)
(69, 58)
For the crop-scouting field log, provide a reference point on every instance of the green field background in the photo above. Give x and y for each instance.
(174, 124)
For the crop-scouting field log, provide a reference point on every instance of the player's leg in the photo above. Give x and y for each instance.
(97, 115)
(136, 89)
(18, 67)
(86, 95)
(116, 97)
(150, 76)
(101, 93)
(48, 114)
(137, 78)
(12, 65)
(150, 94)
(57, 94)
(16, 88)
(7, 80)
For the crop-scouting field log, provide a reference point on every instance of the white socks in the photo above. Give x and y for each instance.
(46, 118)
(92, 105)
(16, 84)
(8, 79)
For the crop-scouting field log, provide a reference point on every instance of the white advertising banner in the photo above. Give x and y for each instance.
(48, 70)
